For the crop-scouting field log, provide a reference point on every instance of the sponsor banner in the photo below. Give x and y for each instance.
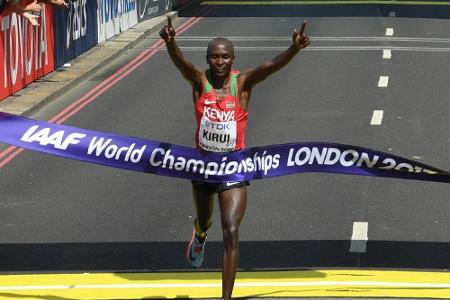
(147, 9)
(176, 161)
(114, 16)
(26, 51)
(75, 30)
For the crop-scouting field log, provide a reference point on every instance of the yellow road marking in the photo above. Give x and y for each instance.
(307, 283)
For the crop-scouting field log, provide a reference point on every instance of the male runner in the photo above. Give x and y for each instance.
(221, 96)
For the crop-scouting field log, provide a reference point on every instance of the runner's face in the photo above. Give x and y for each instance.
(220, 59)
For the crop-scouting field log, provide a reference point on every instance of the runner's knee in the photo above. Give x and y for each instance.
(231, 235)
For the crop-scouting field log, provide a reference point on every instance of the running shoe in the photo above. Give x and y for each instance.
(195, 251)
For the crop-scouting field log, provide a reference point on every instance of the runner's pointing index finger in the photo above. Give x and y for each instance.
(303, 27)
(169, 22)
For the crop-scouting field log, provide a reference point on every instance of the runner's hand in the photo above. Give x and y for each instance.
(301, 40)
(167, 33)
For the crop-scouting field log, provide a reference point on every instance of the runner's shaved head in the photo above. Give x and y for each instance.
(220, 41)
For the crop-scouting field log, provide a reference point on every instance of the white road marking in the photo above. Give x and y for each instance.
(324, 48)
(359, 237)
(392, 14)
(321, 38)
(377, 117)
(383, 81)
(389, 31)
(360, 230)
(387, 54)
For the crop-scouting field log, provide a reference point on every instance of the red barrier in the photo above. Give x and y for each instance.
(26, 51)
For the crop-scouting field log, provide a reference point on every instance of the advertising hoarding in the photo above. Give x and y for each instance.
(114, 16)
(148, 9)
(26, 51)
(75, 30)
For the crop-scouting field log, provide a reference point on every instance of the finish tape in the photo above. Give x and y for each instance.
(177, 161)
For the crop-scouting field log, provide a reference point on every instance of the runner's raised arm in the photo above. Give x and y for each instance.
(187, 69)
(252, 77)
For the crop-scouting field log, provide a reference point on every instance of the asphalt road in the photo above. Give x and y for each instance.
(62, 215)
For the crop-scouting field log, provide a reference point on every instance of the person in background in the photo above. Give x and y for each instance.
(57, 3)
(27, 10)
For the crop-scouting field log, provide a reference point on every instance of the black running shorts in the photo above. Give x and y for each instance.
(219, 187)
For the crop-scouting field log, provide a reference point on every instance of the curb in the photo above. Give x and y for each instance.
(59, 81)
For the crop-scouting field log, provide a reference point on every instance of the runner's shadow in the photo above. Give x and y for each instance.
(210, 277)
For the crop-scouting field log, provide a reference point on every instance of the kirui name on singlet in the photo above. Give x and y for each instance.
(217, 136)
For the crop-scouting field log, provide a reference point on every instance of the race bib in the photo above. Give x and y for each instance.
(217, 136)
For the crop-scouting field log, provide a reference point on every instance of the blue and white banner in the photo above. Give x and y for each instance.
(115, 16)
(75, 30)
(176, 161)
(147, 9)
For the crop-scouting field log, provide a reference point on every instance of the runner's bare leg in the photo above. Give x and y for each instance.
(204, 206)
(232, 207)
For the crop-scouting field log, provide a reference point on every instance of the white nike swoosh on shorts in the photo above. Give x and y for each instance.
(232, 183)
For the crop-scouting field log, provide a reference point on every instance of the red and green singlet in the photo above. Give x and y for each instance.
(220, 122)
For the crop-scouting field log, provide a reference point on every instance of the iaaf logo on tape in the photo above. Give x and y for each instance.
(58, 139)
(97, 146)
